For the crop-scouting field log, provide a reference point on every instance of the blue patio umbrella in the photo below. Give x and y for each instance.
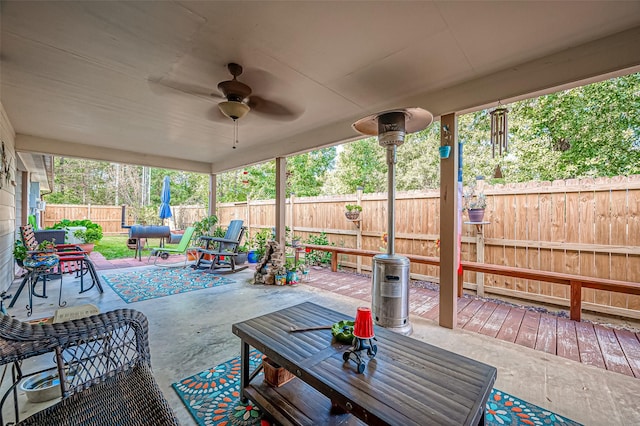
(165, 199)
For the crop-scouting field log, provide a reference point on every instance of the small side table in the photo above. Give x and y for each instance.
(38, 264)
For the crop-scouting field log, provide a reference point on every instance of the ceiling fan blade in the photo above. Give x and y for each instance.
(164, 86)
(274, 110)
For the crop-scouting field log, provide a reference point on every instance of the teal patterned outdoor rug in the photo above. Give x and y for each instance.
(213, 398)
(159, 282)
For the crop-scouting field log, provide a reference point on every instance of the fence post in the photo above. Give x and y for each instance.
(480, 259)
(291, 220)
(575, 300)
(248, 215)
(359, 231)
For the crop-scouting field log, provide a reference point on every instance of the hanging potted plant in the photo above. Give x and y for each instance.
(475, 204)
(352, 211)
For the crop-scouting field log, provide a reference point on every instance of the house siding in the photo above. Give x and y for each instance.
(7, 203)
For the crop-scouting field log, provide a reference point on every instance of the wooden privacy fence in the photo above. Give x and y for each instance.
(588, 227)
(110, 217)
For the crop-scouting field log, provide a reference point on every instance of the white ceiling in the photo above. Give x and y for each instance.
(91, 79)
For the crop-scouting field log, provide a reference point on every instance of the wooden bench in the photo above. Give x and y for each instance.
(576, 282)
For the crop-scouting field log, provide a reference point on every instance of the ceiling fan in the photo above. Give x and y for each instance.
(237, 98)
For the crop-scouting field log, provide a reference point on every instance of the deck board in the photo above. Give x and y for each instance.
(614, 357)
(567, 340)
(481, 316)
(547, 333)
(511, 326)
(468, 312)
(630, 344)
(528, 333)
(604, 347)
(495, 321)
(590, 352)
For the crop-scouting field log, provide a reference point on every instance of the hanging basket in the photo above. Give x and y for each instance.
(352, 215)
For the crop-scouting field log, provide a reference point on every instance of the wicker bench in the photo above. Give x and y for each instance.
(108, 355)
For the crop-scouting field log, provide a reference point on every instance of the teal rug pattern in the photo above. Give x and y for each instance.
(213, 399)
(148, 284)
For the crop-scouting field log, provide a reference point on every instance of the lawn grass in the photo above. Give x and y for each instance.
(115, 247)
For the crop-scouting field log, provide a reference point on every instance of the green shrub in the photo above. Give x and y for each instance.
(316, 257)
(93, 234)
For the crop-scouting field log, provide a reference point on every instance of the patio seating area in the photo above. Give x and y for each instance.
(190, 332)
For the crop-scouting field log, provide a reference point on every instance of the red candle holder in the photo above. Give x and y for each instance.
(363, 327)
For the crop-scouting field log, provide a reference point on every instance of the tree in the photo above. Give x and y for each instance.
(306, 174)
(360, 164)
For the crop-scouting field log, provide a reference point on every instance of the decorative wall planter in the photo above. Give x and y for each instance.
(445, 151)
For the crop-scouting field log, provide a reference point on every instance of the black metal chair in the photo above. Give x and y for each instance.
(222, 251)
(104, 365)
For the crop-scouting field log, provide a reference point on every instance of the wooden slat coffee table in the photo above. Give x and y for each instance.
(409, 382)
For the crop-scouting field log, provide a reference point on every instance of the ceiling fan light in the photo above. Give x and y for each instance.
(233, 109)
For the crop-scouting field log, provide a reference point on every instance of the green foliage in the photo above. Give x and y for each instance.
(45, 245)
(306, 174)
(219, 232)
(359, 164)
(259, 241)
(93, 232)
(205, 225)
(353, 208)
(317, 257)
(19, 250)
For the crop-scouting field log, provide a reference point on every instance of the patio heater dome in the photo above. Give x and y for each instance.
(390, 278)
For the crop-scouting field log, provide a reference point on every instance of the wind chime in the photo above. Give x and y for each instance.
(499, 135)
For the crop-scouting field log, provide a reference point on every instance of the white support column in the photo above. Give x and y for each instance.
(213, 189)
(449, 223)
(281, 194)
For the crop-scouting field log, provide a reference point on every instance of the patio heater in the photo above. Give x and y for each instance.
(390, 280)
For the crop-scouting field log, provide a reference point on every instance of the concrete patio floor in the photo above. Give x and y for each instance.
(190, 332)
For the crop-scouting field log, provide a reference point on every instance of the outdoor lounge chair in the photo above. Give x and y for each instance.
(104, 363)
(164, 252)
(222, 251)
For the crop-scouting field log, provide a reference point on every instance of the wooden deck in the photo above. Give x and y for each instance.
(600, 346)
